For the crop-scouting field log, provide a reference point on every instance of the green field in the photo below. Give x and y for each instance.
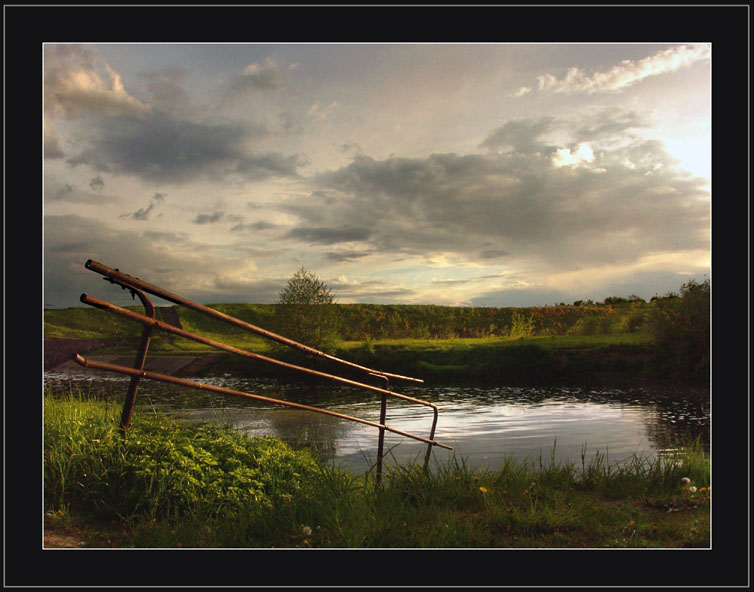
(619, 339)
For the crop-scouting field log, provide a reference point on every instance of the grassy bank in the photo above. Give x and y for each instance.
(168, 484)
(606, 359)
(616, 342)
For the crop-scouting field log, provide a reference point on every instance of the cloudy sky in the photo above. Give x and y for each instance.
(452, 174)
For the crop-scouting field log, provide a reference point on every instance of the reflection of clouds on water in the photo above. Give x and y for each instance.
(483, 424)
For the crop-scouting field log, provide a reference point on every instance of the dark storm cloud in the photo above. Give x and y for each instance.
(166, 149)
(341, 256)
(626, 202)
(329, 236)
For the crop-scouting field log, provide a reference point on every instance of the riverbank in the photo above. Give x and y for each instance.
(613, 360)
(175, 485)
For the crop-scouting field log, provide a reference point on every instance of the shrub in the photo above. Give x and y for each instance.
(680, 326)
(521, 326)
(161, 468)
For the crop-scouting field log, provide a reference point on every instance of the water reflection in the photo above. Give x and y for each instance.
(483, 424)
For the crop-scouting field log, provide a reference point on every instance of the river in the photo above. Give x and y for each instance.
(484, 425)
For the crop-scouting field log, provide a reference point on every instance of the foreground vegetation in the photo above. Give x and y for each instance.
(168, 484)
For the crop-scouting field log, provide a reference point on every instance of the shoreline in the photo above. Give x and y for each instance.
(526, 365)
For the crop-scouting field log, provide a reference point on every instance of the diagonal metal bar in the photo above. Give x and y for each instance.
(139, 318)
(81, 360)
(124, 278)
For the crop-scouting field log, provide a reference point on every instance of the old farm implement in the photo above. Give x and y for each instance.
(149, 323)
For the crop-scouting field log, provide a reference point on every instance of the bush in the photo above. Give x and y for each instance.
(680, 325)
(161, 468)
(521, 326)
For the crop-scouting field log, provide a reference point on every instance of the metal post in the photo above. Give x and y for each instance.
(141, 356)
(381, 440)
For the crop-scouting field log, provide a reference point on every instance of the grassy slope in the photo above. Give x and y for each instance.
(182, 485)
(612, 356)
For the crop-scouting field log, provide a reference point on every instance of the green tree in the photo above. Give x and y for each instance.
(305, 311)
(680, 325)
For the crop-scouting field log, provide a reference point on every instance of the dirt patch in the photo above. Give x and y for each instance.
(63, 539)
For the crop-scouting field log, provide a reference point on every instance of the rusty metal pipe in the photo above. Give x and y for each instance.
(141, 357)
(82, 361)
(122, 278)
(144, 320)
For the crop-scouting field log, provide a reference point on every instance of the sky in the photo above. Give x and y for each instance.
(479, 174)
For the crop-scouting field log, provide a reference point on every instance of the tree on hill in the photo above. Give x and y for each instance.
(305, 311)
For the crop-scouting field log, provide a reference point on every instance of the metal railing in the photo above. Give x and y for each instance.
(148, 321)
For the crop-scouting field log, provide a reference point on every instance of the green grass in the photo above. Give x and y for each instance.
(168, 484)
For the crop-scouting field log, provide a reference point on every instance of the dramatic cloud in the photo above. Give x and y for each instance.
(173, 150)
(77, 82)
(397, 173)
(564, 208)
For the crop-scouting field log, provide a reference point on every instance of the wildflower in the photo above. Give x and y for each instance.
(685, 480)
(306, 530)
(692, 489)
(483, 489)
(476, 478)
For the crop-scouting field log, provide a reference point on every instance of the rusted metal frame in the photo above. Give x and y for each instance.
(381, 440)
(119, 276)
(134, 316)
(81, 360)
(141, 356)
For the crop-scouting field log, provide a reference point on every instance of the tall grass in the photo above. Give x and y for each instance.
(169, 484)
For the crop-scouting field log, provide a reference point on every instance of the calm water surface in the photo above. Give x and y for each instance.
(484, 425)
